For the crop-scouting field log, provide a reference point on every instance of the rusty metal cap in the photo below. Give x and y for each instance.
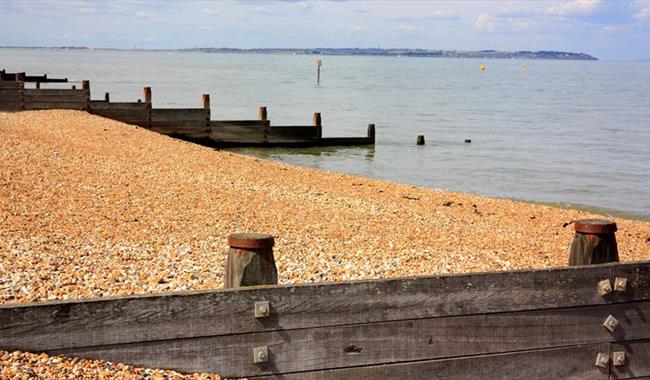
(595, 226)
(251, 240)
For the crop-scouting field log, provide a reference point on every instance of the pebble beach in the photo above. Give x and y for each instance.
(91, 207)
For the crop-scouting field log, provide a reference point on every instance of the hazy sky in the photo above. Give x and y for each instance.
(614, 29)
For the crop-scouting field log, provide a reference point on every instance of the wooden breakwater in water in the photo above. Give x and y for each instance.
(192, 124)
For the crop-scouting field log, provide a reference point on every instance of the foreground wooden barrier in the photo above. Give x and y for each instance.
(551, 323)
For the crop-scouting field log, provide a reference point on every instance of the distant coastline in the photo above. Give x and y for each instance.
(483, 54)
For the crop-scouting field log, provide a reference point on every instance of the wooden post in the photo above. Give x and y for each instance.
(37, 85)
(317, 120)
(594, 242)
(420, 140)
(146, 93)
(319, 63)
(262, 113)
(20, 77)
(85, 85)
(74, 87)
(2, 74)
(371, 133)
(107, 97)
(250, 261)
(205, 99)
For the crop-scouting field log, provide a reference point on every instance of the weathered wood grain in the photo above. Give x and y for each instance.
(11, 85)
(53, 92)
(637, 360)
(289, 134)
(55, 105)
(10, 95)
(159, 115)
(239, 123)
(376, 343)
(638, 282)
(558, 363)
(7, 106)
(180, 125)
(102, 105)
(63, 324)
(250, 134)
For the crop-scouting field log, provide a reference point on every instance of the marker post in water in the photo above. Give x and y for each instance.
(319, 63)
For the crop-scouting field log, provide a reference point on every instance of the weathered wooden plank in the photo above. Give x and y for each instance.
(55, 105)
(375, 343)
(121, 113)
(344, 141)
(62, 324)
(250, 134)
(10, 95)
(559, 363)
(71, 98)
(6, 106)
(159, 115)
(239, 123)
(11, 85)
(102, 105)
(280, 134)
(47, 92)
(637, 359)
(180, 124)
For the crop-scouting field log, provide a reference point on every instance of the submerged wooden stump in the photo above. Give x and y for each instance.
(250, 261)
(593, 243)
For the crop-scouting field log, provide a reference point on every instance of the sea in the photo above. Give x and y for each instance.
(566, 133)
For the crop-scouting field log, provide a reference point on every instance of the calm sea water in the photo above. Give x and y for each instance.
(568, 133)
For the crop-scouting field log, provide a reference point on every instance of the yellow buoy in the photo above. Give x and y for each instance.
(482, 68)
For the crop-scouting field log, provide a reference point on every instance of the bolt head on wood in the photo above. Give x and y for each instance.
(604, 288)
(260, 354)
(618, 358)
(602, 360)
(610, 323)
(620, 284)
(262, 309)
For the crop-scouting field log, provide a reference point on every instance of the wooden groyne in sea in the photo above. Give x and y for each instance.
(192, 124)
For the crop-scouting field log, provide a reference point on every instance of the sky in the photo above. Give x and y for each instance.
(607, 29)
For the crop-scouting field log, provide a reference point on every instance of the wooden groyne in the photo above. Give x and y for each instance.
(583, 322)
(194, 124)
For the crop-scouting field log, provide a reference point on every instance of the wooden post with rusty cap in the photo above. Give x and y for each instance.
(594, 242)
(371, 133)
(250, 261)
(146, 93)
(262, 113)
